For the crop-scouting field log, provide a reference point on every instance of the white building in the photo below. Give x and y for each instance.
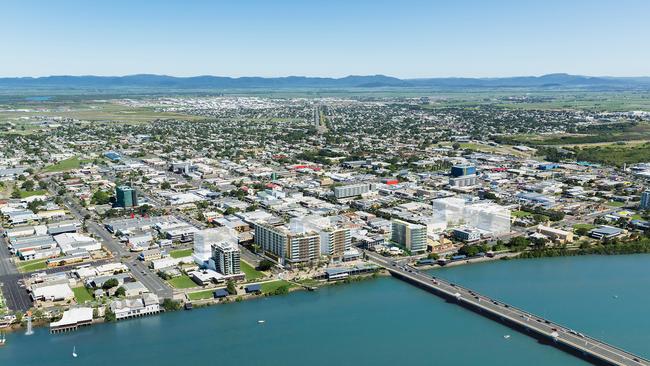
(135, 307)
(485, 216)
(205, 239)
(226, 258)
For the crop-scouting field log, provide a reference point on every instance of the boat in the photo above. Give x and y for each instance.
(3, 340)
(260, 322)
(507, 336)
(74, 351)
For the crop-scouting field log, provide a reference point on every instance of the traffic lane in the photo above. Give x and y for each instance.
(17, 297)
(540, 325)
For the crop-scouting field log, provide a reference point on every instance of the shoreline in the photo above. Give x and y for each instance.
(640, 246)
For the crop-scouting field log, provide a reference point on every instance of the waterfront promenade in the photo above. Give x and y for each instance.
(572, 341)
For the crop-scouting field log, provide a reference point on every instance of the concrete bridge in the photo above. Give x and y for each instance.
(567, 339)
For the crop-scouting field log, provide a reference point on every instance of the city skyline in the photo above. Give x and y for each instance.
(407, 40)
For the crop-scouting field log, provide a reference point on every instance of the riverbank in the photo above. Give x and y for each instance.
(295, 287)
(638, 246)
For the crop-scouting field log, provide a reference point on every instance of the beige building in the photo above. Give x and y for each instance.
(556, 235)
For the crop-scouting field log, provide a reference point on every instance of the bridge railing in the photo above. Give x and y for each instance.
(528, 314)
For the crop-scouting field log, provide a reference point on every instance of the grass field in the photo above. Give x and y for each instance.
(250, 272)
(180, 253)
(270, 287)
(583, 226)
(81, 294)
(63, 165)
(615, 204)
(32, 265)
(521, 214)
(182, 281)
(39, 192)
(201, 295)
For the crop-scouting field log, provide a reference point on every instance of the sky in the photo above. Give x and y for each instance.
(330, 38)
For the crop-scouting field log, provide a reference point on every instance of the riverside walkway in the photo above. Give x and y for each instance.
(567, 339)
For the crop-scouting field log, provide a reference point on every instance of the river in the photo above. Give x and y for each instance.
(375, 322)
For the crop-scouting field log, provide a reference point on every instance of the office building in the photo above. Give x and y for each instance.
(226, 257)
(412, 236)
(125, 196)
(462, 170)
(645, 201)
(467, 235)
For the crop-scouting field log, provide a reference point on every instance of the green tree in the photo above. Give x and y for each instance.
(265, 265)
(28, 185)
(121, 291)
(165, 185)
(109, 315)
(110, 283)
(100, 198)
(230, 287)
(171, 305)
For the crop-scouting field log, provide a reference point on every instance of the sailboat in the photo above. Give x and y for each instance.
(74, 351)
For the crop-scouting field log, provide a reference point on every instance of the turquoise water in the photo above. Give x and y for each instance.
(378, 322)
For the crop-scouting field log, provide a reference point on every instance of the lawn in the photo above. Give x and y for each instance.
(183, 281)
(180, 253)
(25, 194)
(33, 265)
(81, 294)
(63, 165)
(201, 295)
(615, 204)
(250, 272)
(583, 226)
(270, 287)
(521, 214)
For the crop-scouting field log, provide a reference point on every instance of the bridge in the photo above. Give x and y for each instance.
(567, 339)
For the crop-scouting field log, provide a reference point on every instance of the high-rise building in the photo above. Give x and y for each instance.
(226, 258)
(461, 170)
(412, 236)
(645, 200)
(205, 239)
(289, 246)
(125, 196)
(463, 176)
(351, 190)
(334, 240)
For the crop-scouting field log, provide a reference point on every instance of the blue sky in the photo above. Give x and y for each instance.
(403, 38)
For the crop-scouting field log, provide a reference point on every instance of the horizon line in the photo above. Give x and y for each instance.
(316, 76)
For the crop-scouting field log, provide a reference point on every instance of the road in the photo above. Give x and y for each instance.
(140, 272)
(558, 334)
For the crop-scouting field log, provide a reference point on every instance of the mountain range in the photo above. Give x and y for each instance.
(353, 81)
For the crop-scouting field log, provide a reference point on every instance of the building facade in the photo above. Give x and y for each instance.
(125, 196)
(351, 190)
(226, 257)
(645, 200)
(412, 236)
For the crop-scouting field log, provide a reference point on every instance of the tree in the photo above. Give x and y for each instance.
(433, 256)
(469, 250)
(171, 305)
(518, 243)
(121, 291)
(282, 290)
(230, 287)
(109, 315)
(15, 193)
(455, 146)
(28, 185)
(265, 265)
(110, 283)
(100, 198)
(165, 185)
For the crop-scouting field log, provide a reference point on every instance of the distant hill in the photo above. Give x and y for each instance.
(353, 81)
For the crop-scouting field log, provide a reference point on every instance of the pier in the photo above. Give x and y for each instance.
(545, 330)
